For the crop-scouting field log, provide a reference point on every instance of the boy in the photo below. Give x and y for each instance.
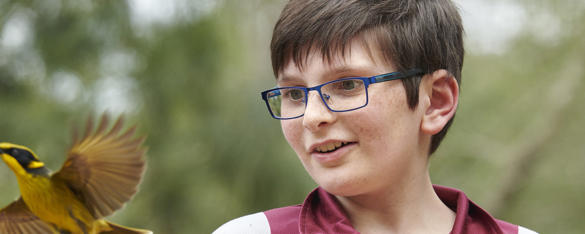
(366, 90)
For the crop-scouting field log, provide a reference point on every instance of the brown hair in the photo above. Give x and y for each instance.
(424, 34)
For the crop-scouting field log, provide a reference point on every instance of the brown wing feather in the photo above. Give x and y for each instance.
(104, 168)
(18, 219)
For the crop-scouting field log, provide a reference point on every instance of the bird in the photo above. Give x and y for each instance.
(101, 172)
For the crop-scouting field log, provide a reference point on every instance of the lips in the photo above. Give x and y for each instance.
(331, 153)
(330, 147)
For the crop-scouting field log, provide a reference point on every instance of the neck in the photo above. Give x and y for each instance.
(409, 207)
(29, 183)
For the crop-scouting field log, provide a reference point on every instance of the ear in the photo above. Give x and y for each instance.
(442, 92)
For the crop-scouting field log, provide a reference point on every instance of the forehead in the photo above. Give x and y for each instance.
(357, 58)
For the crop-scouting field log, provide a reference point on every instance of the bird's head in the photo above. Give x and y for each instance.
(20, 159)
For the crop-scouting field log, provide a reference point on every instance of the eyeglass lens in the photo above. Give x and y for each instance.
(339, 95)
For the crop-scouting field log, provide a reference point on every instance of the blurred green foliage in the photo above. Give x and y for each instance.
(192, 85)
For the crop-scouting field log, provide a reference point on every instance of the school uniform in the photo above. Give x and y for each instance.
(322, 213)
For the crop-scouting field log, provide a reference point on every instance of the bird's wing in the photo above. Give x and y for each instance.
(17, 218)
(104, 168)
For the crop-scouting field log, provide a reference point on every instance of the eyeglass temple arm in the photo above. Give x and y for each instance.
(396, 75)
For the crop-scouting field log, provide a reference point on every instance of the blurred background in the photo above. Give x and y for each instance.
(189, 73)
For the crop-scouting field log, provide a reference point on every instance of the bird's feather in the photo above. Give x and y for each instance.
(104, 168)
(16, 218)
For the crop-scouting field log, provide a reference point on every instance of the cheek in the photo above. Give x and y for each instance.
(292, 131)
(387, 117)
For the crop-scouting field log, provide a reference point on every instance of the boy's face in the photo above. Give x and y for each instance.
(375, 147)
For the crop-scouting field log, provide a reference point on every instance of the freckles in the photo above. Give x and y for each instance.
(292, 132)
(288, 131)
(381, 119)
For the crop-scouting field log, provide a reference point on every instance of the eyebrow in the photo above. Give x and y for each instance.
(336, 70)
(348, 69)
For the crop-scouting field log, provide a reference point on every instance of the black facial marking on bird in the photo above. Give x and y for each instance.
(24, 157)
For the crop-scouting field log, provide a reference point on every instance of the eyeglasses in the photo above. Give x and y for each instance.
(340, 95)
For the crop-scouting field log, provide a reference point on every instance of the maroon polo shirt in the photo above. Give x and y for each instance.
(322, 213)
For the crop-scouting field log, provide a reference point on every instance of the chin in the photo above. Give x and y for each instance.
(342, 186)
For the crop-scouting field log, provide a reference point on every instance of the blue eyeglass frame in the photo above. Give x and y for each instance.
(367, 81)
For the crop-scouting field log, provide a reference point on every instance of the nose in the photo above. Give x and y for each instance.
(317, 114)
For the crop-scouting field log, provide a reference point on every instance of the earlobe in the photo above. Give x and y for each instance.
(443, 95)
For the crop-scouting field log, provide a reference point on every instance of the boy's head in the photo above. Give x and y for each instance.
(404, 34)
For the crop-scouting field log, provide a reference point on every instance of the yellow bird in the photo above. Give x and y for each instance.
(102, 171)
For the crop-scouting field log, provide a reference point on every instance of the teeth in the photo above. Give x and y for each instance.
(329, 147)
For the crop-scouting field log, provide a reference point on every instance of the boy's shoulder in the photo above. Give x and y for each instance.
(470, 218)
(512, 228)
(251, 224)
(281, 220)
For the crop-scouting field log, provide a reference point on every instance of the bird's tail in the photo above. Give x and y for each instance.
(119, 229)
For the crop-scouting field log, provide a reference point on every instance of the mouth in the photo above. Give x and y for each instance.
(331, 147)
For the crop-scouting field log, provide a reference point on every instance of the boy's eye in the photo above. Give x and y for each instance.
(294, 94)
(348, 84)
